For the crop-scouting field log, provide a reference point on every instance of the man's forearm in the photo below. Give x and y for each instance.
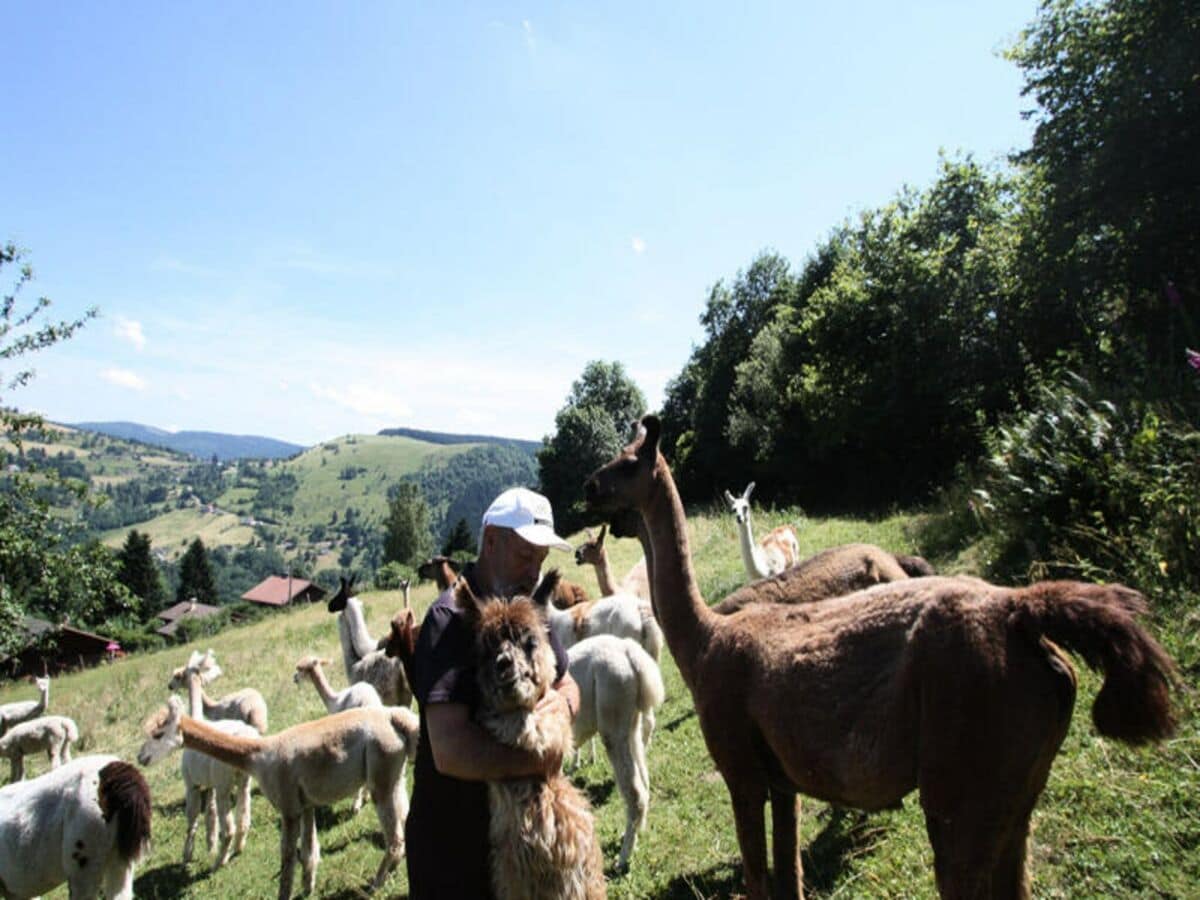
(463, 749)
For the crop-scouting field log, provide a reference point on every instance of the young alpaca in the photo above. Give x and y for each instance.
(211, 785)
(620, 686)
(543, 839)
(591, 552)
(309, 765)
(776, 552)
(951, 686)
(23, 710)
(246, 705)
(52, 734)
(86, 823)
(623, 615)
(362, 655)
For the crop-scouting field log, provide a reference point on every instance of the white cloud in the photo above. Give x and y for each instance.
(365, 400)
(530, 40)
(130, 330)
(638, 245)
(124, 378)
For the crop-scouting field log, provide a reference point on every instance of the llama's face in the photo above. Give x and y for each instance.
(515, 665)
(591, 550)
(625, 482)
(162, 733)
(306, 665)
(43, 683)
(338, 601)
(739, 506)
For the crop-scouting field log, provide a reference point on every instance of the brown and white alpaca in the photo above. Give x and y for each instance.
(542, 836)
(947, 685)
(362, 655)
(778, 550)
(591, 552)
(246, 705)
(309, 765)
(52, 735)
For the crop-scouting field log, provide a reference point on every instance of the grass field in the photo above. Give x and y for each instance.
(1113, 822)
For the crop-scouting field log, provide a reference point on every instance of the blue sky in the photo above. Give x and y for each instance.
(311, 219)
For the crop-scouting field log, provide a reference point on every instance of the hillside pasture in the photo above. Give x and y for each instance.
(1112, 822)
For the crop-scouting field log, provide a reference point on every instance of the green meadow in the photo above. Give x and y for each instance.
(1113, 822)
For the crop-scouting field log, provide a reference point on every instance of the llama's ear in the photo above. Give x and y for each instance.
(603, 532)
(749, 491)
(651, 431)
(729, 498)
(547, 587)
(471, 606)
(588, 532)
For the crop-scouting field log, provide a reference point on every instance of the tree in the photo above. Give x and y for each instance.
(138, 571)
(195, 575)
(589, 430)
(406, 530)
(459, 540)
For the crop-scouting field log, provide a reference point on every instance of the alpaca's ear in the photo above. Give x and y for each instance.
(651, 431)
(588, 532)
(545, 590)
(603, 532)
(729, 498)
(471, 606)
(749, 491)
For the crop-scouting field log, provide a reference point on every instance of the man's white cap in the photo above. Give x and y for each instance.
(528, 514)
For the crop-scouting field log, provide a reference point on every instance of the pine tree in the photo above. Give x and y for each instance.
(459, 540)
(138, 572)
(406, 531)
(195, 575)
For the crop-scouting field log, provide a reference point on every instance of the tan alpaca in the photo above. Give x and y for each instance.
(52, 735)
(777, 551)
(543, 839)
(246, 705)
(309, 765)
(948, 685)
(592, 553)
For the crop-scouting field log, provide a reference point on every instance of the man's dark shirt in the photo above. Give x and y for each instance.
(446, 835)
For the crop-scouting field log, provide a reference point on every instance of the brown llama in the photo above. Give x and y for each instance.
(951, 686)
(542, 836)
(440, 569)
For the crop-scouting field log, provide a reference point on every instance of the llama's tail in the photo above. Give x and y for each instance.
(651, 692)
(125, 796)
(231, 749)
(1097, 622)
(72, 731)
(406, 724)
(652, 636)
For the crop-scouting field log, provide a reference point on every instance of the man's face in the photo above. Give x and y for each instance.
(516, 564)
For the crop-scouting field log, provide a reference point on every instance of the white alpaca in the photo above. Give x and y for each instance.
(362, 655)
(86, 823)
(246, 705)
(52, 735)
(622, 615)
(620, 686)
(592, 552)
(777, 551)
(213, 786)
(23, 710)
(309, 765)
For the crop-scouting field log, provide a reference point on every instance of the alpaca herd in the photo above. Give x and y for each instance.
(855, 676)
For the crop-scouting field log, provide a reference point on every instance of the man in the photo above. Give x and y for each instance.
(447, 829)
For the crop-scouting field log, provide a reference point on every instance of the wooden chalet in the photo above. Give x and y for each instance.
(282, 591)
(57, 648)
(176, 615)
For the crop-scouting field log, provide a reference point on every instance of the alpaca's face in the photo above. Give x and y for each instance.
(514, 663)
(43, 684)
(162, 734)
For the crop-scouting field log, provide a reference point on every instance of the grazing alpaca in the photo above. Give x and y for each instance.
(23, 710)
(309, 765)
(358, 695)
(363, 656)
(86, 823)
(948, 685)
(591, 552)
(623, 615)
(776, 552)
(211, 785)
(52, 735)
(246, 705)
(543, 840)
(619, 688)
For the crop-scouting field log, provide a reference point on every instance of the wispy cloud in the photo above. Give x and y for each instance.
(130, 330)
(123, 378)
(530, 38)
(638, 245)
(366, 400)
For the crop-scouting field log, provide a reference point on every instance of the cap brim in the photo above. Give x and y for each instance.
(542, 536)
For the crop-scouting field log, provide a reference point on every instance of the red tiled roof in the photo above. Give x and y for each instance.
(274, 591)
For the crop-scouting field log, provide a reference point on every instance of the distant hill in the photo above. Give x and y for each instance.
(201, 444)
(440, 437)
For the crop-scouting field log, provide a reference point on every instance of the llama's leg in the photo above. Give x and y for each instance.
(18, 767)
(118, 879)
(1010, 877)
(243, 813)
(785, 852)
(192, 799)
(748, 801)
(289, 831)
(359, 799)
(648, 723)
(66, 751)
(210, 819)
(402, 800)
(226, 826)
(310, 850)
(387, 807)
(623, 751)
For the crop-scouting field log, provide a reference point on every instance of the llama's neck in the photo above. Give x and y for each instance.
(44, 700)
(604, 575)
(753, 557)
(235, 750)
(361, 642)
(686, 621)
(195, 696)
(321, 683)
